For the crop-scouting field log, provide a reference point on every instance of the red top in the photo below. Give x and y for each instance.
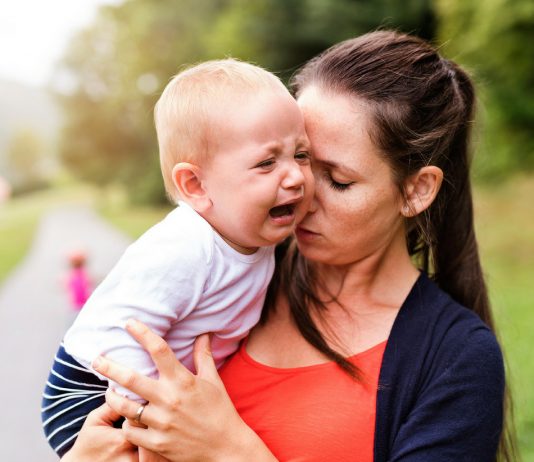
(313, 413)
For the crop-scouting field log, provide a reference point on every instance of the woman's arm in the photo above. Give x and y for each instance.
(189, 417)
(98, 441)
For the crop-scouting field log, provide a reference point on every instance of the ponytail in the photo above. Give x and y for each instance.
(445, 233)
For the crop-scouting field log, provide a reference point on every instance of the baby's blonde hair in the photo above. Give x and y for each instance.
(184, 114)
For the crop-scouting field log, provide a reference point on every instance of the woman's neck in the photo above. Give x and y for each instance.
(368, 294)
(382, 279)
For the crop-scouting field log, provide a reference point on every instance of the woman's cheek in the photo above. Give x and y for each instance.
(322, 188)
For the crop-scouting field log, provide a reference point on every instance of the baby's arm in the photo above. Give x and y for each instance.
(158, 281)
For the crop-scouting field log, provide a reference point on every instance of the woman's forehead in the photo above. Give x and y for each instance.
(335, 119)
(334, 112)
(337, 126)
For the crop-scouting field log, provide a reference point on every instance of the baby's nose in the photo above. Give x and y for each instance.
(294, 177)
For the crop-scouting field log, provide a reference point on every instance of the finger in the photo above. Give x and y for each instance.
(203, 358)
(139, 424)
(128, 378)
(160, 352)
(128, 408)
(103, 415)
(148, 456)
(137, 436)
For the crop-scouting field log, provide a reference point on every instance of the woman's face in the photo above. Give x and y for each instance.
(356, 212)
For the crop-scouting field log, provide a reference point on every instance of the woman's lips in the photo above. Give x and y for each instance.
(304, 234)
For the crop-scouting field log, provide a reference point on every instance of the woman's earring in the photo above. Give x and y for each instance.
(406, 210)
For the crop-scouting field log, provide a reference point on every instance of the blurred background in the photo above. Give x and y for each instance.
(78, 153)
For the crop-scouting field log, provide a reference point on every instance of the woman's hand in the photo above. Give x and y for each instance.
(189, 417)
(98, 441)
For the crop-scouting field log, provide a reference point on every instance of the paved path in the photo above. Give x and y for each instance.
(34, 314)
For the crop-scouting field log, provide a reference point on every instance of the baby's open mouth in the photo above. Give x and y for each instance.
(282, 210)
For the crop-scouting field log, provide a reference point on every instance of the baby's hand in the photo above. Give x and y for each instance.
(148, 456)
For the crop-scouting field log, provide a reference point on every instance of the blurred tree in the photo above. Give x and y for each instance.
(119, 66)
(492, 38)
(123, 61)
(25, 154)
(283, 34)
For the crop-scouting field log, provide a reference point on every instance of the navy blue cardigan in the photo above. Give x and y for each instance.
(439, 397)
(441, 385)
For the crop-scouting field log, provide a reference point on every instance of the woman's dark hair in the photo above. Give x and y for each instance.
(422, 108)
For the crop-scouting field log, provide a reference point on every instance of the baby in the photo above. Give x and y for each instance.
(235, 157)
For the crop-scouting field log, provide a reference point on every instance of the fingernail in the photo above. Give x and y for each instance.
(97, 362)
(132, 323)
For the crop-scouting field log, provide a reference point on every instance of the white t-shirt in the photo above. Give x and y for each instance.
(182, 280)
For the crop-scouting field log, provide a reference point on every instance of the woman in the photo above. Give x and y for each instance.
(359, 353)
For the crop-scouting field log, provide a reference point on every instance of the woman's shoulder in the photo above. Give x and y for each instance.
(442, 364)
(432, 331)
(436, 314)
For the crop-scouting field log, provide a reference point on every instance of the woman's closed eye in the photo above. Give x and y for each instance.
(338, 185)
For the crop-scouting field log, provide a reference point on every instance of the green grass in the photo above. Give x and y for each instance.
(19, 217)
(505, 226)
(17, 225)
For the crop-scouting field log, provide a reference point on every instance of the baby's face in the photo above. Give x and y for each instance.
(259, 176)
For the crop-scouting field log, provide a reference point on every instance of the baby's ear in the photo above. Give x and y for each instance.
(421, 189)
(187, 179)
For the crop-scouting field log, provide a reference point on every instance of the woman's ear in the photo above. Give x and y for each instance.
(420, 190)
(187, 179)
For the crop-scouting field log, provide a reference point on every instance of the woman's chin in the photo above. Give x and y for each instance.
(309, 245)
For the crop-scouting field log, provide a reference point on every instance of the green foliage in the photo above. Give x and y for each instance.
(282, 35)
(123, 61)
(25, 161)
(121, 64)
(492, 38)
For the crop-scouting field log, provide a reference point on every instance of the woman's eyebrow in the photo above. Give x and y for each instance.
(335, 165)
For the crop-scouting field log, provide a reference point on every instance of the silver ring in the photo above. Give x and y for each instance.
(139, 413)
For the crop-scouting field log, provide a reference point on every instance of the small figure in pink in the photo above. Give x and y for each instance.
(78, 283)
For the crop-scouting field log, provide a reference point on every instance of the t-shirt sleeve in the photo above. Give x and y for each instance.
(159, 281)
(458, 415)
